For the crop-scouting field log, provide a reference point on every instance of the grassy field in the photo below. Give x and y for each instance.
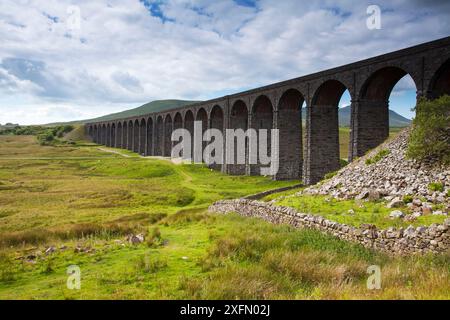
(344, 139)
(83, 201)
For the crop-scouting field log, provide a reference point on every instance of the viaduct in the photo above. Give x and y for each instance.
(278, 105)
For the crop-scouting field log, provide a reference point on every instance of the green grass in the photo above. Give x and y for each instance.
(81, 197)
(373, 212)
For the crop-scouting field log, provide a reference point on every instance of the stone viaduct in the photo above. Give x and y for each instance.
(307, 155)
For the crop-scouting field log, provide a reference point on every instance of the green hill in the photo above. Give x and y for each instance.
(395, 120)
(154, 106)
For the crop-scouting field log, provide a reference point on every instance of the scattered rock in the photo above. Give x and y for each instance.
(396, 214)
(136, 239)
(395, 203)
(50, 250)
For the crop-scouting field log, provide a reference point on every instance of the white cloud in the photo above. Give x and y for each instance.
(123, 55)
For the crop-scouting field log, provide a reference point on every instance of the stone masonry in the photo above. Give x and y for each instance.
(420, 240)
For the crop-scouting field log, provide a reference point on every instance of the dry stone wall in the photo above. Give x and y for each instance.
(411, 240)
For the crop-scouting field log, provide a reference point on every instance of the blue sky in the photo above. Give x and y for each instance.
(63, 60)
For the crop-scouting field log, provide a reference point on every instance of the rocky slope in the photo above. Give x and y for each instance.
(386, 173)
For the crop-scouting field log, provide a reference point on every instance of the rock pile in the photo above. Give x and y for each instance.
(393, 177)
(435, 238)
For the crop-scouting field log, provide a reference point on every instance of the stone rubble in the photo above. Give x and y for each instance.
(411, 240)
(391, 178)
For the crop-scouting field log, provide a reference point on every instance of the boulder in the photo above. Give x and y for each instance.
(396, 214)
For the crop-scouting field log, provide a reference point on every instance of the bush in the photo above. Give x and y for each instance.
(407, 199)
(436, 186)
(430, 135)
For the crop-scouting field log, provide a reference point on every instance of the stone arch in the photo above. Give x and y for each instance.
(262, 119)
(440, 82)
(217, 122)
(189, 126)
(136, 136)
(113, 135)
(201, 116)
(130, 135)
(323, 131)
(289, 123)
(119, 134)
(159, 141)
(142, 136)
(149, 145)
(370, 113)
(168, 125)
(238, 120)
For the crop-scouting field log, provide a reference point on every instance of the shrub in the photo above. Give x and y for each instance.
(430, 135)
(380, 155)
(436, 186)
(407, 199)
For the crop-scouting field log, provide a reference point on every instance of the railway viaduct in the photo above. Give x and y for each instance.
(278, 105)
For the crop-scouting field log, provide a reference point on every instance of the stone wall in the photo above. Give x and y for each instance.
(420, 240)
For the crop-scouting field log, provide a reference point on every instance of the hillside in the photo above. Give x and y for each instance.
(395, 120)
(154, 106)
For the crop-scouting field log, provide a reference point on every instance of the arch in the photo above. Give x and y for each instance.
(113, 135)
(370, 114)
(289, 123)
(238, 120)
(130, 136)
(189, 126)
(142, 137)
(380, 83)
(119, 135)
(440, 82)
(262, 119)
(217, 122)
(159, 136)
(149, 146)
(136, 136)
(323, 131)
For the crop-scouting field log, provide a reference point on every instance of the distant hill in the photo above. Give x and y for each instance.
(154, 106)
(395, 120)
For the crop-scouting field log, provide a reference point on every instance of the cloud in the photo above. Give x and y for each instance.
(127, 53)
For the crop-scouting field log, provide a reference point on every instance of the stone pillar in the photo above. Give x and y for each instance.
(370, 125)
(289, 123)
(322, 154)
(130, 137)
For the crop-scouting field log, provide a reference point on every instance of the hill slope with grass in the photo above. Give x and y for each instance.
(153, 106)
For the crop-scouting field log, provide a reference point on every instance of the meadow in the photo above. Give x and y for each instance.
(81, 201)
